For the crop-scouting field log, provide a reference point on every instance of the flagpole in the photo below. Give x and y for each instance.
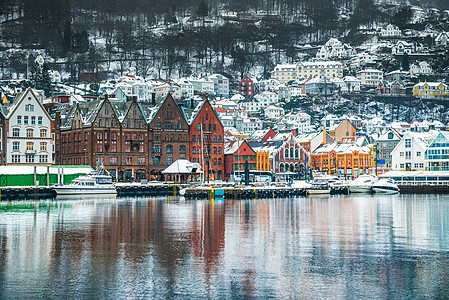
(202, 154)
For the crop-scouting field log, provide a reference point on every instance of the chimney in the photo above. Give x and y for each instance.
(324, 136)
(153, 98)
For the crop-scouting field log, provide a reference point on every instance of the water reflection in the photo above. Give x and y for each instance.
(333, 247)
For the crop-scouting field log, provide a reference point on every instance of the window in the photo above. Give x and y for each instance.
(179, 126)
(401, 166)
(214, 127)
(99, 147)
(401, 153)
(25, 120)
(199, 126)
(193, 150)
(418, 153)
(19, 119)
(215, 161)
(286, 153)
(169, 149)
(43, 133)
(113, 136)
(169, 160)
(113, 160)
(128, 148)
(182, 149)
(193, 138)
(43, 158)
(155, 160)
(219, 161)
(43, 147)
(215, 138)
(408, 154)
(113, 148)
(141, 160)
(29, 132)
(29, 159)
(215, 150)
(219, 150)
(16, 158)
(158, 125)
(29, 107)
(408, 143)
(219, 138)
(15, 146)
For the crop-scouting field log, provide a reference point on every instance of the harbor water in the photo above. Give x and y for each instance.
(323, 247)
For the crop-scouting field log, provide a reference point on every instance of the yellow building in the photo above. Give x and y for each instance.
(263, 161)
(165, 88)
(431, 90)
(284, 73)
(323, 69)
(345, 159)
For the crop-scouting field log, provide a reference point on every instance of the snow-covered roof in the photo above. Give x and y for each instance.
(183, 166)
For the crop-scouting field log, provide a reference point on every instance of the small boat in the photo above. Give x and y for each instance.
(386, 186)
(318, 188)
(97, 182)
(321, 184)
(362, 184)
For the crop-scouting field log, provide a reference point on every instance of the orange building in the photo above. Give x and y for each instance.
(344, 159)
(344, 130)
(263, 160)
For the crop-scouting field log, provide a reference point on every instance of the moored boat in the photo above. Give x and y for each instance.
(386, 186)
(362, 184)
(97, 182)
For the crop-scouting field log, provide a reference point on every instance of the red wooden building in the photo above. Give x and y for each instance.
(206, 118)
(246, 87)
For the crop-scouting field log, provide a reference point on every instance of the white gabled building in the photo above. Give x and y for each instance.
(390, 31)
(28, 129)
(409, 153)
(335, 49)
(420, 68)
(186, 88)
(274, 111)
(251, 124)
(370, 77)
(221, 85)
(401, 48)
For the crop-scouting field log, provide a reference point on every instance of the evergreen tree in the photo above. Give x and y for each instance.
(405, 62)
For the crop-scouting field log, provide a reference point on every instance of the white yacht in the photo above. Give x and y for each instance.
(97, 182)
(386, 186)
(362, 184)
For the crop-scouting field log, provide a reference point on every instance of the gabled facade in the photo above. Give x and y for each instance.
(344, 130)
(207, 132)
(431, 90)
(390, 88)
(409, 154)
(168, 137)
(246, 87)
(28, 132)
(437, 154)
(384, 147)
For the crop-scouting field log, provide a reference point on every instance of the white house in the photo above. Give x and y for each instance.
(266, 98)
(420, 68)
(390, 31)
(186, 88)
(300, 121)
(401, 48)
(274, 111)
(330, 121)
(28, 132)
(409, 153)
(442, 39)
(251, 124)
(352, 84)
(221, 85)
(203, 85)
(142, 91)
(370, 77)
(335, 49)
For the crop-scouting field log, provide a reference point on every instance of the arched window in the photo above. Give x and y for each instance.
(390, 135)
(193, 150)
(291, 153)
(169, 149)
(286, 153)
(182, 149)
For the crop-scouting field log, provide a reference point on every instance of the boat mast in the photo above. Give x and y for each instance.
(202, 154)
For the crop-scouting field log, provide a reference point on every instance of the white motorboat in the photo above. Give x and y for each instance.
(321, 184)
(97, 182)
(362, 184)
(318, 188)
(386, 186)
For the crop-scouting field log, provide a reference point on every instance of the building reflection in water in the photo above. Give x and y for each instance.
(337, 247)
